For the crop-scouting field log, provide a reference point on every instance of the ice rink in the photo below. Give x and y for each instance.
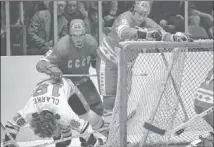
(18, 77)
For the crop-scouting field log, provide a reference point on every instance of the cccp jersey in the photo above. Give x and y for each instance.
(124, 29)
(72, 60)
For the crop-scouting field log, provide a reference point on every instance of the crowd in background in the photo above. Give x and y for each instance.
(38, 20)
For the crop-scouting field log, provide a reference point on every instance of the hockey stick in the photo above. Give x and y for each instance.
(69, 138)
(95, 75)
(131, 115)
(80, 75)
(176, 91)
(8, 134)
(163, 86)
(179, 129)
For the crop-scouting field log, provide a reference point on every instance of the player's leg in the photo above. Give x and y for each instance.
(84, 112)
(107, 81)
(92, 96)
(79, 107)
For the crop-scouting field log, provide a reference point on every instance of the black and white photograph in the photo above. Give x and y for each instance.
(107, 73)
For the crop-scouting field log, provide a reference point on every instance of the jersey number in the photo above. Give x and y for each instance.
(44, 89)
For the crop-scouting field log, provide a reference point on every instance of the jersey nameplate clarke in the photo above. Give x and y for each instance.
(53, 100)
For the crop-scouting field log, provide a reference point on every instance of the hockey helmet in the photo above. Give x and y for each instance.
(77, 32)
(142, 6)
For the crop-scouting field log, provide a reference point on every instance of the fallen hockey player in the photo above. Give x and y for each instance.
(49, 115)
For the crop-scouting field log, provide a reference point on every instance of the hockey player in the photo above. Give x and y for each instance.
(73, 54)
(203, 101)
(49, 115)
(130, 25)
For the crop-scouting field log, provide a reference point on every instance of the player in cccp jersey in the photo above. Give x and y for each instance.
(130, 25)
(73, 54)
(49, 114)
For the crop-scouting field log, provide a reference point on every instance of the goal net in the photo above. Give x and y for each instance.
(158, 81)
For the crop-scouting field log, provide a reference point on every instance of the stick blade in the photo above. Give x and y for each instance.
(154, 129)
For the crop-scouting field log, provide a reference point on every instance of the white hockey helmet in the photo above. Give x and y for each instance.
(142, 6)
(77, 32)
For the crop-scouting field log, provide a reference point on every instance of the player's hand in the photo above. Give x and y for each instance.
(155, 35)
(55, 73)
(141, 33)
(180, 16)
(82, 9)
(180, 37)
(49, 44)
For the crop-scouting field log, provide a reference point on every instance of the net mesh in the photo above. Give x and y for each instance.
(146, 67)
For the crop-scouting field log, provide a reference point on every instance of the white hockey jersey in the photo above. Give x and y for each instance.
(53, 97)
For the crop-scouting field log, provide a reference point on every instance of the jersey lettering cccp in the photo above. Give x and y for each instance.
(72, 60)
(52, 97)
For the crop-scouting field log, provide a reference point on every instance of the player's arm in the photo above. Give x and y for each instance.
(160, 34)
(50, 59)
(13, 126)
(125, 31)
(49, 63)
(19, 120)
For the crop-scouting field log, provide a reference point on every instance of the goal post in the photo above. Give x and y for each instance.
(159, 80)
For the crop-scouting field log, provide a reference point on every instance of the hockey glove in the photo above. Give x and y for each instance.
(149, 35)
(55, 73)
(155, 34)
(141, 33)
(180, 37)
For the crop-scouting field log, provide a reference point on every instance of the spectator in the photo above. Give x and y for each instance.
(169, 14)
(14, 13)
(123, 6)
(93, 20)
(31, 7)
(109, 9)
(77, 10)
(3, 31)
(200, 17)
(40, 30)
